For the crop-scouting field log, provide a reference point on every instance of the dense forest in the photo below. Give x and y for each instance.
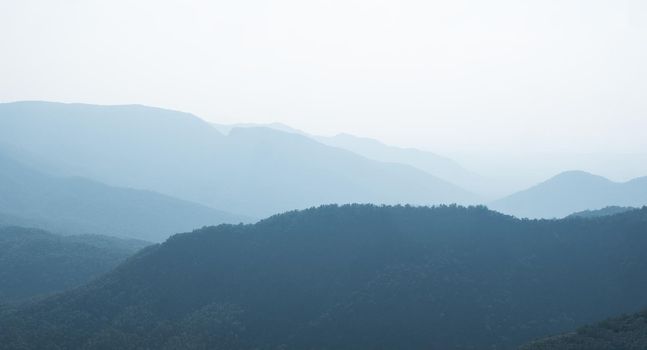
(35, 263)
(627, 332)
(355, 276)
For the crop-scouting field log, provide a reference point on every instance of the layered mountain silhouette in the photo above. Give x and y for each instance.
(571, 192)
(439, 166)
(354, 277)
(80, 206)
(610, 210)
(227, 128)
(252, 171)
(36, 263)
(628, 332)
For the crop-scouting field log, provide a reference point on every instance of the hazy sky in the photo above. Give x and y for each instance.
(448, 76)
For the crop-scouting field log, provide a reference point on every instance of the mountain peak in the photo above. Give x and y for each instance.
(575, 174)
(572, 191)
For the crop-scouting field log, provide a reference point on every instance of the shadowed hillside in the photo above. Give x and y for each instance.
(355, 277)
(35, 263)
(621, 333)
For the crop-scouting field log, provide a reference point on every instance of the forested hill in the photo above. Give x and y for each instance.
(627, 332)
(354, 277)
(35, 263)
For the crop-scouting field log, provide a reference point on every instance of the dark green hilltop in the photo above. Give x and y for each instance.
(354, 277)
(35, 263)
(628, 332)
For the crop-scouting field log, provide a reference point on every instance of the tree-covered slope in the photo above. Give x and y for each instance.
(627, 332)
(34, 263)
(81, 206)
(355, 277)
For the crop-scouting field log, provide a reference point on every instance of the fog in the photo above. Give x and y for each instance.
(466, 79)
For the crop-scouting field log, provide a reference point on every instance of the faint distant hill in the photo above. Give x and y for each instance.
(436, 165)
(81, 206)
(252, 171)
(35, 263)
(353, 277)
(610, 210)
(571, 192)
(627, 332)
(442, 167)
(226, 128)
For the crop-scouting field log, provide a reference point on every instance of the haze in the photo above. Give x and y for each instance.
(351, 175)
(462, 78)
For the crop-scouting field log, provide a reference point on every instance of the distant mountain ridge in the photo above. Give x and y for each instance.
(431, 163)
(81, 206)
(570, 192)
(610, 210)
(226, 128)
(251, 171)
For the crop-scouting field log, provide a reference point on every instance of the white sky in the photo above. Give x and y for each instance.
(448, 76)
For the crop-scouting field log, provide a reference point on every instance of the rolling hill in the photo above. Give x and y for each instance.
(431, 163)
(354, 277)
(35, 263)
(252, 171)
(571, 192)
(436, 165)
(81, 206)
(610, 210)
(628, 332)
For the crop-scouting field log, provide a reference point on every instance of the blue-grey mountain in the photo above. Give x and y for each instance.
(571, 192)
(252, 171)
(610, 210)
(73, 205)
(439, 166)
(442, 167)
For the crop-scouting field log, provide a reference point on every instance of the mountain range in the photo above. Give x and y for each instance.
(570, 192)
(545, 200)
(439, 166)
(251, 171)
(73, 205)
(243, 172)
(354, 277)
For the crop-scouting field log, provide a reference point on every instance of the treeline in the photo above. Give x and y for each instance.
(354, 277)
(35, 263)
(627, 332)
